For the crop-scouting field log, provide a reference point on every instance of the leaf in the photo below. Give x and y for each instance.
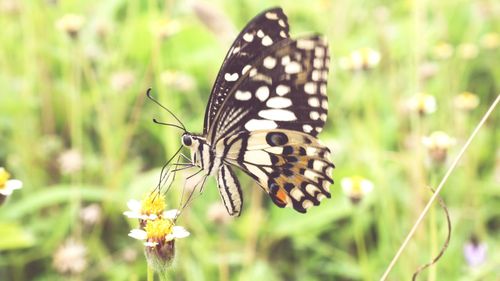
(14, 237)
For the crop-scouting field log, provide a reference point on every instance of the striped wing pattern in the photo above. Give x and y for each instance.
(264, 30)
(230, 190)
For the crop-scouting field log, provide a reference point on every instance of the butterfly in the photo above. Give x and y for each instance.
(268, 104)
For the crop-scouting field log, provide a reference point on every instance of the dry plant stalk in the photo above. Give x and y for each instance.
(438, 189)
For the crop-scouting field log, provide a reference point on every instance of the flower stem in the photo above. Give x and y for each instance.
(151, 273)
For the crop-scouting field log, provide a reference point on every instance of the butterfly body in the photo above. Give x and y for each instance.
(266, 108)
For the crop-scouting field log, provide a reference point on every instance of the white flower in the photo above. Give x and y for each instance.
(437, 145)
(70, 161)
(157, 232)
(466, 101)
(468, 51)
(356, 187)
(135, 211)
(422, 103)
(438, 140)
(178, 232)
(443, 50)
(70, 257)
(91, 214)
(71, 24)
(362, 59)
(7, 185)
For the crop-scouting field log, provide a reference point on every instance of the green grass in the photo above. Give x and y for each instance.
(57, 94)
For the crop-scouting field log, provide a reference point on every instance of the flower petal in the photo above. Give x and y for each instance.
(134, 205)
(5, 191)
(150, 244)
(138, 234)
(179, 232)
(13, 184)
(171, 214)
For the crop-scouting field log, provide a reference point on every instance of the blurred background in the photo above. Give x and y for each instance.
(408, 82)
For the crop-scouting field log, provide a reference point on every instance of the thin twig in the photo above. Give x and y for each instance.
(438, 189)
(446, 242)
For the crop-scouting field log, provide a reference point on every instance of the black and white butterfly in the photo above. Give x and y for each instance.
(267, 105)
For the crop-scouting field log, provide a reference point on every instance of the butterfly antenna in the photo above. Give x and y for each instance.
(148, 94)
(168, 124)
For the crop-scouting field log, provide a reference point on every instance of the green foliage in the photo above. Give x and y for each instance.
(76, 128)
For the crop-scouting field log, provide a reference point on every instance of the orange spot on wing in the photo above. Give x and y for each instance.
(281, 195)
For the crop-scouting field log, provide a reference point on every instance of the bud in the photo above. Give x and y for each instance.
(71, 24)
(356, 188)
(437, 145)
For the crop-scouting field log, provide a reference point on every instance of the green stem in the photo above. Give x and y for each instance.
(151, 273)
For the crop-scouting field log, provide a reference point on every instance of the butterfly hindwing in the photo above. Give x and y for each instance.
(292, 167)
(266, 29)
(284, 89)
(230, 190)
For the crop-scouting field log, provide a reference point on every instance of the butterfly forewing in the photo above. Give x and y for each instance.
(264, 30)
(284, 89)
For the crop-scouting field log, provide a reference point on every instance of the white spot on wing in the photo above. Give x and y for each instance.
(245, 69)
(258, 124)
(318, 63)
(313, 101)
(315, 75)
(243, 95)
(311, 189)
(269, 62)
(271, 16)
(319, 52)
(314, 115)
(305, 44)
(310, 88)
(248, 37)
(324, 104)
(307, 204)
(231, 77)
(283, 34)
(279, 102)
(296, 194)
(293, 67)
(285, 60)
(322, 89)
(267, 41)
(282, 90)
(278, 114)
(260, 33)
(262, 93)
(307, 128)
(258, 157)
(282, 23)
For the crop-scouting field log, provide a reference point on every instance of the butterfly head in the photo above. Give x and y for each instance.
(196, 145)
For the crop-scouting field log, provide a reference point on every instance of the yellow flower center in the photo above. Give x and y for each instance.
(356, 185)
(4, 177)
(153, 204)
(158, 229)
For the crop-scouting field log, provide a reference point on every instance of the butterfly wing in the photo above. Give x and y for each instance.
(230, 190)
(294, 168)
(267, 28)
(285, 88)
